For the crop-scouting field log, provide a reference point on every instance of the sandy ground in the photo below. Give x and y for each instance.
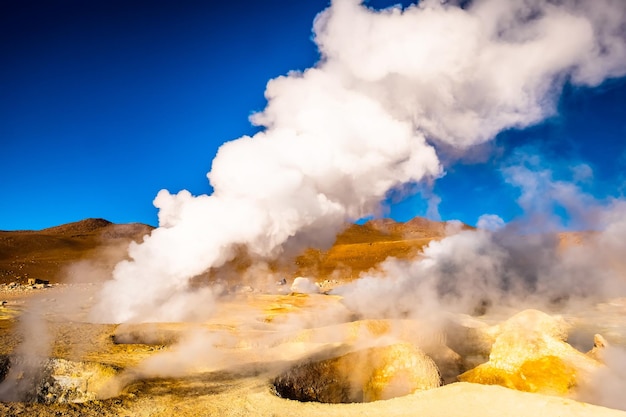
(224, 366)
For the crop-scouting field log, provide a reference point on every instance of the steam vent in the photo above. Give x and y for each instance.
(47, 381)
(367, 375)
(274, 285)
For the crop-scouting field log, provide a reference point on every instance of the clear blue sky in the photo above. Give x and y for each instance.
(105, 102)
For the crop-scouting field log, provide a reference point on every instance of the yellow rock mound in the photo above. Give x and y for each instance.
(530, 354)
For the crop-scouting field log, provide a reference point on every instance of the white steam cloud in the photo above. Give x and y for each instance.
(339, 136)
(479, 270)
(497, 266)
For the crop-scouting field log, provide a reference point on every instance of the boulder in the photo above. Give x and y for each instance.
(530, 354)
(398, 370)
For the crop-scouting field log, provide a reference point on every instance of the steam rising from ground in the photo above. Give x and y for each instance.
(338, 137)
(476, 270)
(17, 385)
(392, 88)
(609, 383)
(497, 265)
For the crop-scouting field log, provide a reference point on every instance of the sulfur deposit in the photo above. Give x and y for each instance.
(530, 353)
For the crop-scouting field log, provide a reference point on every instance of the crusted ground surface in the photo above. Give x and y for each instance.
(224, 365)
(157, 377)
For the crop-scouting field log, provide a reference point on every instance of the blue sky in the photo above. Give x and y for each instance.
(103, 103)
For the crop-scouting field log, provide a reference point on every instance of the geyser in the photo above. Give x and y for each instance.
(338, 137)
(378, 373)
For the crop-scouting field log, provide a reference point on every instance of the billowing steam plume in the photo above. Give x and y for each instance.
(390, 85)
(476, 270)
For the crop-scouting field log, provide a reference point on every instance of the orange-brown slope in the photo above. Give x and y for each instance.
(47, 253)
(362, 247)
(358, 248)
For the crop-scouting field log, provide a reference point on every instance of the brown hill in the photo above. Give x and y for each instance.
(47, 253)
(360, 248)
(52, 254)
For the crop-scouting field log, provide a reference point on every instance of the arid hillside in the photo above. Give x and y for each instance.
(49, 253)
(46, 254)
(362, 247)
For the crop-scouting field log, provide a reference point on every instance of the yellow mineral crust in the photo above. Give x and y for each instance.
(530, 354)
(366, 375)
(547, 375)
(398, 370)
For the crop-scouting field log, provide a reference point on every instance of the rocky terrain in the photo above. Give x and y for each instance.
(362, 247)
(281, 350)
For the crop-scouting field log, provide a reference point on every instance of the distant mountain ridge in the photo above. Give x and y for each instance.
(361, 247)
(47, 253)
(82, 226)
